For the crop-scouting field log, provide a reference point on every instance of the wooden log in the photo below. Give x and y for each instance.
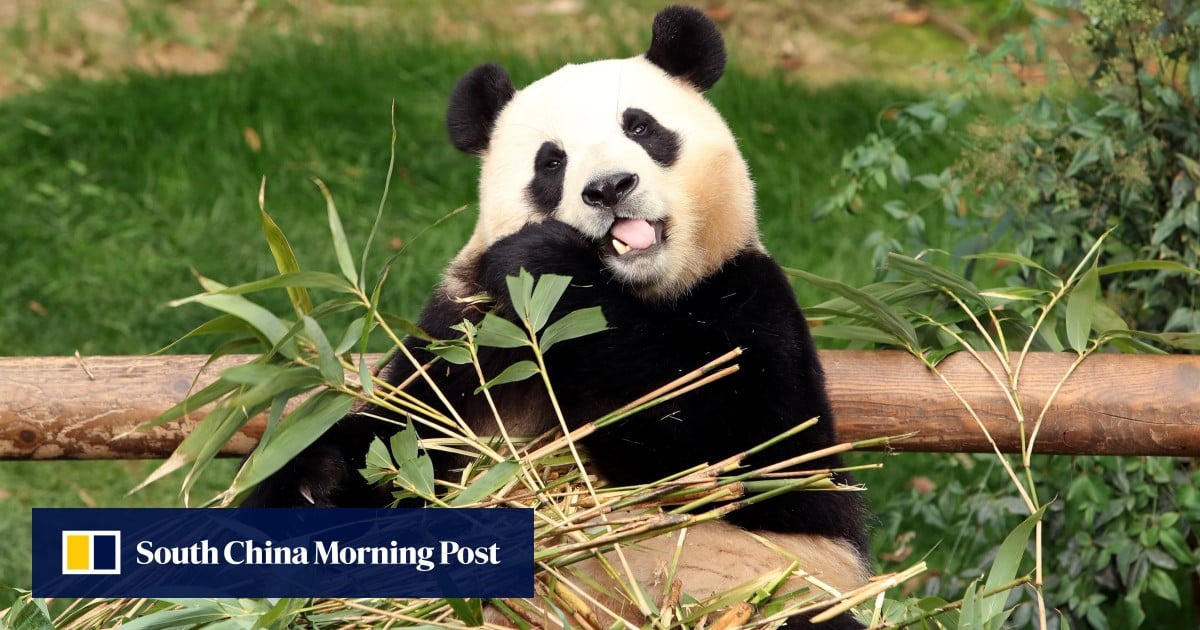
(69, 408)
(89, 408)
(1113, 404)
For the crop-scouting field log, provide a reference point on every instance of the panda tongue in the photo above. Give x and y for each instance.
(636, 233)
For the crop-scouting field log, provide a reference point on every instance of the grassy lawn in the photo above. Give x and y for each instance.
(114, 192)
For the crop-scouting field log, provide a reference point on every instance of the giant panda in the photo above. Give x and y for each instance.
(621, 175)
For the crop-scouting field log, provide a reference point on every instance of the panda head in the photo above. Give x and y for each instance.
(626, 151)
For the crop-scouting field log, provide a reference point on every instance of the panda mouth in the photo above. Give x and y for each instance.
(630, 237)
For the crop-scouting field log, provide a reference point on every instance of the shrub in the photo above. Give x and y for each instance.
(1108, 145)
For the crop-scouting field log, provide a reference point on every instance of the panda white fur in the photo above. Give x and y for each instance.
(620, 174)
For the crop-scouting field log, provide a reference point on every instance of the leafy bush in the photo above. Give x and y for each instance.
(1119, 150)
(1109, 145)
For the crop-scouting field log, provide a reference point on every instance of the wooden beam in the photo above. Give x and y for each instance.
(68, 408)
(1114, 404)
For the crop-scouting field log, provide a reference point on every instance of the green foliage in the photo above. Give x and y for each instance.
(1123, 538)
(933, 312)
(1119, 152)
(1099, 165)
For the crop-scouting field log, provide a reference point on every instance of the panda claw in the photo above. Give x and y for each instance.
(304, 492)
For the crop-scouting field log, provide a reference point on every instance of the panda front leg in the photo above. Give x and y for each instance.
(326, 473)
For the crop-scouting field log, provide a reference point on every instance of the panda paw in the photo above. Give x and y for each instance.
(540, 248)
(318, 477)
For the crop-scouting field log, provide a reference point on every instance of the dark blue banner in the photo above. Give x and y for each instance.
(180, 552)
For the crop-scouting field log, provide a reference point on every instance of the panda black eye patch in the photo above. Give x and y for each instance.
(549, 167)
(660, 143)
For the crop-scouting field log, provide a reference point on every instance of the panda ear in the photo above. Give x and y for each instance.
(687, 45)
(475, 103)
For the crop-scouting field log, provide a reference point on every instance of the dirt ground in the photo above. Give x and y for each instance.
(820, 41)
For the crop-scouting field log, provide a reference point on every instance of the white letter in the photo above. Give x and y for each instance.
(143, 549)
(326, 554)
(229, 551)
(448, 547)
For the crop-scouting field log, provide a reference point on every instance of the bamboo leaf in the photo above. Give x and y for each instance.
(327, 361)
(1005, 566)
(1147, 265)
(1013, 294)
(210, 443)
(970, 613)
(379, 464)
(27, 613)
(957, 285)
(283, 614)
(364, 375)
(252, 373)
(453, 351)
(278, 406)
(174, 619)
(286, 382)
(333, 306)
(219, 325)
(546, 294)
(199, 446)
(405, 444)
(886, 318)
(575, 324)
(518, 371)
(291, 279)
(520, 293)
(1080, 306)
(1181, 340)
(353, 334)
(848, 332)
(414, 471)
(497, 332)
(1104, 319)
(491, 481)
(273, 329)
(340, 246)
(850, 312)
(890, 292)
(208, 394)
(364, 370)
(387, 187)
(281, 250)
(468, 611)
(1125, 341)
(295, 433)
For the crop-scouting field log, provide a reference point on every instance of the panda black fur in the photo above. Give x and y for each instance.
(575, 165)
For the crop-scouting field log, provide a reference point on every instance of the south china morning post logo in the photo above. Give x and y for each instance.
(91, 552)
(180, 552)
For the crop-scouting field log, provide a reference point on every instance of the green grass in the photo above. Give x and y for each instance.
(114, 192)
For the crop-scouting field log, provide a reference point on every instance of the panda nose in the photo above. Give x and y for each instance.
(609, 190)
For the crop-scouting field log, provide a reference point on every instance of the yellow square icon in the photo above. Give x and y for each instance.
(78, 552)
